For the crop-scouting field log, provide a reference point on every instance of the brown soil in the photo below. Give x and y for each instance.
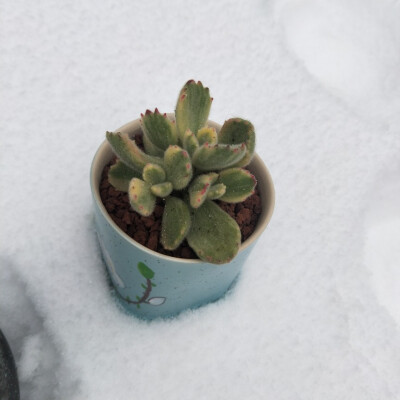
(146, 230)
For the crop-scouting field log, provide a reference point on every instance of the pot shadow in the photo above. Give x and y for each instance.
(39, 361)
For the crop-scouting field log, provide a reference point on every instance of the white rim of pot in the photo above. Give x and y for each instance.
(264, 183)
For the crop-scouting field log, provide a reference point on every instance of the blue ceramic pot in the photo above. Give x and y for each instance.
(149, 284)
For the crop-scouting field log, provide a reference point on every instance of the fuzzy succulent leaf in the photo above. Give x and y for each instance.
(190, 142)
(199, 188)
(128, 151)
(207, 135)
(216, 191)
(140, 197)
(239, 183)
(192, 108)
(214, 235)
(151, 148)
(120, 175)
(153, 174)
(236, 131)
(218, 156)
(159, 129)
(178, 167)
(162, 190)
(176, 223)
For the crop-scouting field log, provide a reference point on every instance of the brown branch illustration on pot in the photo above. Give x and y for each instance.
(148, 274)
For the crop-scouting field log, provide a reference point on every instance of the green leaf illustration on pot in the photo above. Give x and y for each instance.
(148, 274)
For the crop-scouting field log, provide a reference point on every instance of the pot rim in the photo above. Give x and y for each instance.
(261, 172)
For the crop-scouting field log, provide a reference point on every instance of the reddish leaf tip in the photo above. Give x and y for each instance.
(204, 188)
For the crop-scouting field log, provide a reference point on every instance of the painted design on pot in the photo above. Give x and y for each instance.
(148, 274)
(110, 266)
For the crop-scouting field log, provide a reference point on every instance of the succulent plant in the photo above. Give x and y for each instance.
(188, 164)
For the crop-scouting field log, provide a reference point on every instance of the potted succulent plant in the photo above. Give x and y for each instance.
(183, 165)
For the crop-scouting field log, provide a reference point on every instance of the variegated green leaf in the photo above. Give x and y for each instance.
(192, 108)
(151, 148)
(214, 235)
(140, 197)
(128, 151)
(159, 129)
(207, 135)
(190, 142)
(178, 167)
(216, 191)
(120, 175)
(239, 183)
(162, 189)
(199, 188)
(237, 131)
(153, 174)
(217, 156)
(176, 223)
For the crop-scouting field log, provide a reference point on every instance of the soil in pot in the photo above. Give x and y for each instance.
(147, 230)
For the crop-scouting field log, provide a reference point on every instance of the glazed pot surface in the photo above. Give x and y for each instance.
(149, 284)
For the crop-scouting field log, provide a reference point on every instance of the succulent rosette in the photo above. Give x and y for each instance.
(188, 164)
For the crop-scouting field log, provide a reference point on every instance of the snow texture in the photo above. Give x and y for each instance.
(315, 314)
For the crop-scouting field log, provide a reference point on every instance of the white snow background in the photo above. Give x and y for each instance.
(316, 312)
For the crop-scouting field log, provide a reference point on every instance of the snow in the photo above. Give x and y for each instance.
(381, 248)
(315, 313)
(351, 47)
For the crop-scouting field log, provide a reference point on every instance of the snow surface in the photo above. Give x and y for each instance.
(315, 314)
